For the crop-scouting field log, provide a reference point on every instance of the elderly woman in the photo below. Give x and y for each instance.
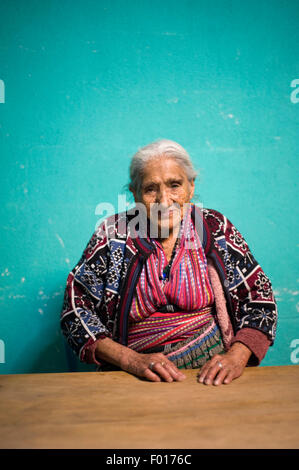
(170, 288)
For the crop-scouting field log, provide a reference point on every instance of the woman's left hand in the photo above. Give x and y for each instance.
(224, 368)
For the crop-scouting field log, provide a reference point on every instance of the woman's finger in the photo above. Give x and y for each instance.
(210, 376)
(164, 369)
(160, 369)
(174, 371)
(206, 370)
(230, 377)
(209, 373)
(149, 375)
(222, 374)
(203, 371)
(156, 371)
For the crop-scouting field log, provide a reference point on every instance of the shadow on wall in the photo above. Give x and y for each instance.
(51, 358)
(57, 356)
(54, 355)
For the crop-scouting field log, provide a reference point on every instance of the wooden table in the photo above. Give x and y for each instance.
(110, 410)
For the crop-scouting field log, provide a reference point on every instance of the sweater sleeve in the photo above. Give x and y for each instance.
(251, 294)
(256, 341)
(82, 319)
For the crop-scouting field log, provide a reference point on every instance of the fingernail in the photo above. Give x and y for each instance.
(180, 375)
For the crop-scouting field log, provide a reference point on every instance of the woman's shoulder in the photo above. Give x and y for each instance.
(211, 215)
(113, 225)
(218, 223)
(208, 212)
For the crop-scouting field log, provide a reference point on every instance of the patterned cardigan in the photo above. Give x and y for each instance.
(101, 286)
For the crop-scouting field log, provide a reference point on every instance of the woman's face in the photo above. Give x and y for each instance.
(164, 191)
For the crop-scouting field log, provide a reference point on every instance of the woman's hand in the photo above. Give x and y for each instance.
(154, 367)
(225, 367)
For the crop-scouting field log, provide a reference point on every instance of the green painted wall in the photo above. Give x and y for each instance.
(83, 84)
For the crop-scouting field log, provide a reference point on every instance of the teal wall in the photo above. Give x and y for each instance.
(84, 84)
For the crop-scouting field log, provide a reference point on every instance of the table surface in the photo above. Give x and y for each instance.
(116, 410)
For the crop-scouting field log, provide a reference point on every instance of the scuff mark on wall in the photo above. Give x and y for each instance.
(60, 240)
(285, 294)
(172, 100)
(5, 272)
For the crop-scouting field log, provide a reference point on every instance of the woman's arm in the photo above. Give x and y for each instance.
(253, 304)
(138, 363)
(250, 289)
(80, 321)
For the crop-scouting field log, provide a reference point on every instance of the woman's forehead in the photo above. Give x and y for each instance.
(163, 169)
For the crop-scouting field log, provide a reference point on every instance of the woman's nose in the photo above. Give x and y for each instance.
(163, 198)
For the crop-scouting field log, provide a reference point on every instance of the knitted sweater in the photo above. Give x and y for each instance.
(101, 286)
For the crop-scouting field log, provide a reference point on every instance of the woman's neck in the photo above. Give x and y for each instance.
(169, 242)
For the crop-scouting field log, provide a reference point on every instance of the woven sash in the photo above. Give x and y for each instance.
(164, 328)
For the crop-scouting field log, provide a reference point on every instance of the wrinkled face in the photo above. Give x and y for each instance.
(164, 190)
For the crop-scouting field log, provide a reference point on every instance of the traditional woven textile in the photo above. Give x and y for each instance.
(175, 309)
(188, 288)
(196, 351)
(162, 328)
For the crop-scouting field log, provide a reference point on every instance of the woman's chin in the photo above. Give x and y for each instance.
(166, 227)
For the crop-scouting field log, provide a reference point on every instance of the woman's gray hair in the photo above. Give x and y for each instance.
(159, 148)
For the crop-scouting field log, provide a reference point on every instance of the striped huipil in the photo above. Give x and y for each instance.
(177, 310)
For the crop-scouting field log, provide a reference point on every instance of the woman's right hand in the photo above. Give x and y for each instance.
(154, 367)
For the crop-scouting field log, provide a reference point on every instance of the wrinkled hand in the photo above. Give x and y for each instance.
(224, 368)
(154, 367)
